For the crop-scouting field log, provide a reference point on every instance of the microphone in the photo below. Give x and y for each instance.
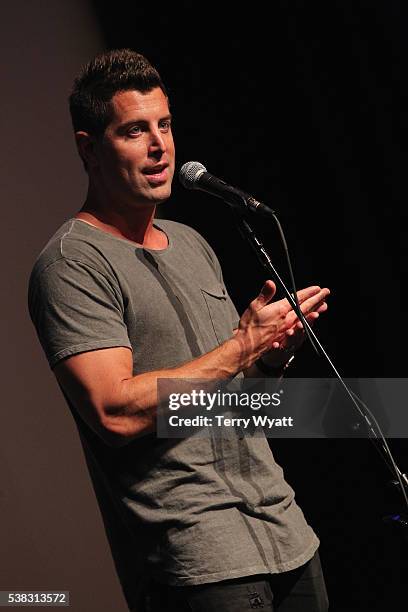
(194, 175)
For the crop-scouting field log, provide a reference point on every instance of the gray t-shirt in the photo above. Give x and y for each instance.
(189, 511)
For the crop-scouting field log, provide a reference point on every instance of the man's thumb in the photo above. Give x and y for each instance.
(267, 293)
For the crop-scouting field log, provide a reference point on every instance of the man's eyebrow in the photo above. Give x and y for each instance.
(127, 124)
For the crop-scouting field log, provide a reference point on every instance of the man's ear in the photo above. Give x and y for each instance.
(86, 145)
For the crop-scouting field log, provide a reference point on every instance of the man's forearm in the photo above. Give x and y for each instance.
(134, 414)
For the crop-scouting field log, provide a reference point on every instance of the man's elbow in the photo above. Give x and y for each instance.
(120, 430)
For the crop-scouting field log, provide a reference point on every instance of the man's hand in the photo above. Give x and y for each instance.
(273, 329)
(284, 346)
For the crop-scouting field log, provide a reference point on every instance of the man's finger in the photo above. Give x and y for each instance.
(303, 295)
(265, 296)
(310, 318)
(313, 304)
(322, 308)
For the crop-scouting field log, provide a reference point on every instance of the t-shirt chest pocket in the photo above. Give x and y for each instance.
(215, 297)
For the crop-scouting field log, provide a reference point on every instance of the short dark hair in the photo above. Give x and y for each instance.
(100, 79)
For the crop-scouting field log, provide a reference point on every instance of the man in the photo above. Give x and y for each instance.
(120, 300)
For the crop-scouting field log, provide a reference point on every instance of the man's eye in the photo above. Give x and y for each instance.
(135, 130)
(165, 126)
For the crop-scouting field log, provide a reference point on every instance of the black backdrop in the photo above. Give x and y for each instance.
(303, 104)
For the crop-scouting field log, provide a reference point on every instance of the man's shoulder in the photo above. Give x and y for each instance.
(51, 251)
(72, 257)
(69, 242)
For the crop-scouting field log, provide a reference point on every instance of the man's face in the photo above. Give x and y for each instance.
(136, 153)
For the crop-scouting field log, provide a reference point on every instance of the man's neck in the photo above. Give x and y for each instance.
(135, 225)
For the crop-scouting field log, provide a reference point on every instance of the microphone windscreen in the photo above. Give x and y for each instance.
(190, 172)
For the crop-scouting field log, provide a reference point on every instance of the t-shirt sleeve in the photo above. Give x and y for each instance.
(75, 308)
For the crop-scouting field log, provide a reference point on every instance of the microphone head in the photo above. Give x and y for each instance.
(190, 172)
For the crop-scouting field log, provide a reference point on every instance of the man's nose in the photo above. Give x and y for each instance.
(157, 142)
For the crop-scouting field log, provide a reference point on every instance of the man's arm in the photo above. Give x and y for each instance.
(120, 407)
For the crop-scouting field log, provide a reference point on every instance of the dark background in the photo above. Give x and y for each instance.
(302, 104)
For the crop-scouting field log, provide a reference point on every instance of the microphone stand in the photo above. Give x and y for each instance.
(375, 433)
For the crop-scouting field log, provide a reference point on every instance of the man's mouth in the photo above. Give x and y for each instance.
(157, 175)
(155, 170)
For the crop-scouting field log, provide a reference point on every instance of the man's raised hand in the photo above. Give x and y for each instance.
(273, 327)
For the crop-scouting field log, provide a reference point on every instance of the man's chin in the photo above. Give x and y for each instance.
(151, 196)
(160, 194)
